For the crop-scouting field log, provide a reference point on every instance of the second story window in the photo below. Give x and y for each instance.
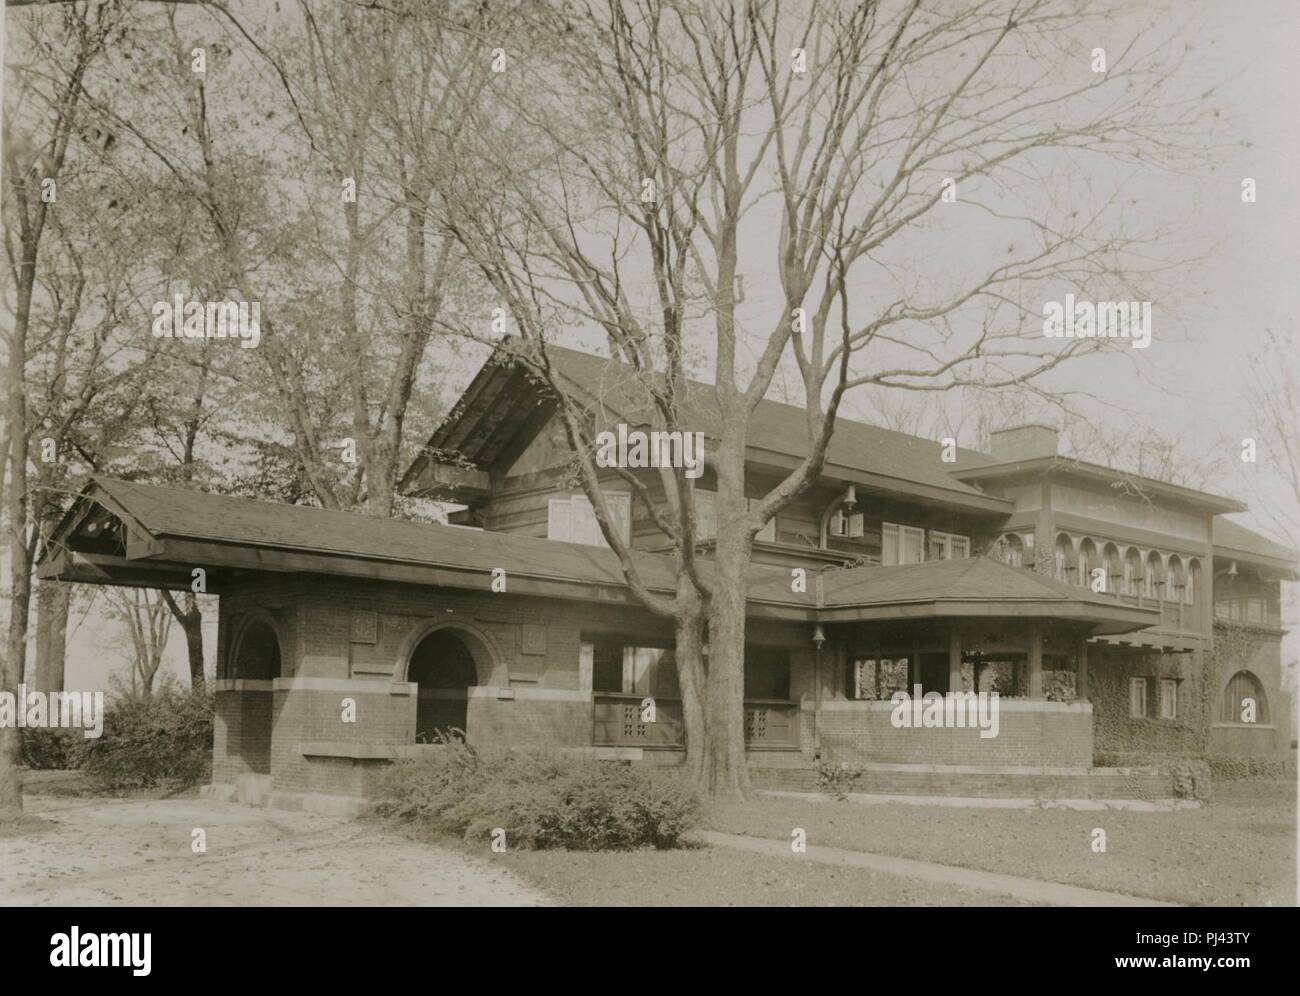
(706, 518)
(948, 546)
(573, 520)
(901, 544)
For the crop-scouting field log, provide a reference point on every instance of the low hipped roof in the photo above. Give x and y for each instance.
(1231, 539)
(166, 532)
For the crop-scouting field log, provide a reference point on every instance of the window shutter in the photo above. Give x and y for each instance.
(913, 545)
(559, 520)
(620, 511)
(856, 525)
(586, 656)
(889, 544)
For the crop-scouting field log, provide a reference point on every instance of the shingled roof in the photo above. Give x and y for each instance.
(165, 532)
(1231, 539)
(777, 432)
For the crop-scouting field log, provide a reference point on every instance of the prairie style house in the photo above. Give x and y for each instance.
(347, 641)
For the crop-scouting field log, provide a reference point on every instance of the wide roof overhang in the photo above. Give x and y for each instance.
(120, 533)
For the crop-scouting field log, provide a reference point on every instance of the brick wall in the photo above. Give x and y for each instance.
(1030, 734)
(310, 711)
(241, 730)
(529, 718)
(1116, 732)
(1240, 647)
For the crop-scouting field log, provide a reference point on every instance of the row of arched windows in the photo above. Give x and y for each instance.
(1151, 575)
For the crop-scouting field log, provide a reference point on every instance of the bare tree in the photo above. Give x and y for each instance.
(653, 154)
(36, 149)
(147, 619)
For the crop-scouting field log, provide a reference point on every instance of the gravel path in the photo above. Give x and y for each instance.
(138, 853)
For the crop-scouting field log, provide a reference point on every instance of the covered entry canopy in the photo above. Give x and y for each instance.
(123, 533)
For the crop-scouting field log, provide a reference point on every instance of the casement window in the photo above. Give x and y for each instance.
(948, 546)
(874, 679)
(846, 525)
(1168, 698)
(573, 520)
(1137, 698)
(616, 667)
(706, 518)
(901, 544)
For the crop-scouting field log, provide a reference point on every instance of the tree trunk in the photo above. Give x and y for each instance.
(20, 592)
(726, 774)
(191, 619)
(192, 624)
(52, 599)
(691, 678)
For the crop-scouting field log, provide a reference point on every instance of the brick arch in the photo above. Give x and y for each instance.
(487, 656)
(445, 660)
(252, 625)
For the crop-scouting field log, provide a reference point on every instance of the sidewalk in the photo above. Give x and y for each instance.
(1029, 889)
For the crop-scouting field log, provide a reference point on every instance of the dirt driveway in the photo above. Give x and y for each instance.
(138, 853)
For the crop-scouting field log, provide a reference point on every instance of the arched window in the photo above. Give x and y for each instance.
(1088, 562)
(1174, 579)
(1243, 700)
(1110, 558)
(1064, 557)
(258, 655)
(1192, 589)
(1132, 572)
(1151, 584)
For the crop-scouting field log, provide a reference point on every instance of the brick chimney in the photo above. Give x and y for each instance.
(1024, 442)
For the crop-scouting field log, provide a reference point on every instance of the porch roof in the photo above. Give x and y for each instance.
(138, 534)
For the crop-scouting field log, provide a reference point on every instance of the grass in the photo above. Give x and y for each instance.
(1238, 850)
(717, 877)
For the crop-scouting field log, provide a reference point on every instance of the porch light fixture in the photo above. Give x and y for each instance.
(1232, 569)
(851, 498)
(819, 636)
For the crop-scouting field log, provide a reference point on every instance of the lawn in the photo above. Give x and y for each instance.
(717, 877)
(1238, 850)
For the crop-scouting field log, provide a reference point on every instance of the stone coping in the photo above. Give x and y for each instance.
(1004, 705)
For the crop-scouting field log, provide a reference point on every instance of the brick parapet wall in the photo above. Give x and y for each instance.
(1030, 733)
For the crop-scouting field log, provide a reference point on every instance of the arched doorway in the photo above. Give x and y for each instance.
(258, 654)
(443, 668)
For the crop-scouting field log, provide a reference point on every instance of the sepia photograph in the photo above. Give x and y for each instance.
(649, 453)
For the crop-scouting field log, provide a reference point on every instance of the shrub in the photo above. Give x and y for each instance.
(837, 779)
(164, 741)
(54, 748)
(541, 800)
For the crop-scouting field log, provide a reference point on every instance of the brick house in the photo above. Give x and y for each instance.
(346, 641)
